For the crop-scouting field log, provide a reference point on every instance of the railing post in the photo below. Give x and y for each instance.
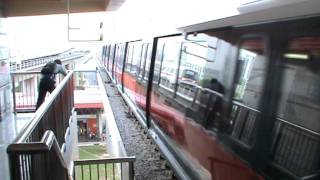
(131, 171)
(14, 165)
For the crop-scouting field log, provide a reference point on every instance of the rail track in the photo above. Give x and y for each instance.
(149, 164)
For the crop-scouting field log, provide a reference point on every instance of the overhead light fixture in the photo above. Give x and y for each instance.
(296, 56)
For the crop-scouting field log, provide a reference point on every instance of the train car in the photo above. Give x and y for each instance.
(236, 98)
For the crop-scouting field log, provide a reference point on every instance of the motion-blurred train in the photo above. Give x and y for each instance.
(231, 99)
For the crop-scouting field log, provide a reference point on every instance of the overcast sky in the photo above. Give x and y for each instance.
(40, 35)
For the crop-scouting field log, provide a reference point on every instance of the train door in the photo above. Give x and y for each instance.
(163, 109)
(115, 63)
(132, 72)
(296, 135)
(128, 80)
(244, 127)
(119, 62)
(111, 59)
(103, 54)
(143, 77)
(191, 80)
(106, 56)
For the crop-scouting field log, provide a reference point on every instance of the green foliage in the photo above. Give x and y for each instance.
(205, 82)
(92, 152)
(94, 171)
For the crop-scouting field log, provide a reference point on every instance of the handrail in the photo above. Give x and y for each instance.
(38, 62)
(247, 107)
(24, 72)
(206, 46)
(50, 55)
(298, 126)
(47, 142)
(212, 91)
(128, 167)
(206, 59)
(257, 111)
(312, 176)
(105, 160)
(27, 130)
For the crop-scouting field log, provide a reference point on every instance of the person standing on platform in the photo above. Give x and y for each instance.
(48, 79)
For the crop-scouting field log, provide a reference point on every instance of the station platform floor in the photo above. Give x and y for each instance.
(11, 125)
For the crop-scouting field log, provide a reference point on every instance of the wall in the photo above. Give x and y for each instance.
(1, 9)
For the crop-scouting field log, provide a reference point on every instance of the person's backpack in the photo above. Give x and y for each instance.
(49, 68)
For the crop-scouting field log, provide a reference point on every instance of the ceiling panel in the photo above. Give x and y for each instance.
(45, 7)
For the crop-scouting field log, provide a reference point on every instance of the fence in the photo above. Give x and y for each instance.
(99, 169)
(35, 153)
(25, 90)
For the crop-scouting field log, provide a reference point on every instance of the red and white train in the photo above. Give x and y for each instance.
(233, 98)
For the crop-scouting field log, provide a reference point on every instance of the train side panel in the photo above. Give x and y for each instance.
(236, 103)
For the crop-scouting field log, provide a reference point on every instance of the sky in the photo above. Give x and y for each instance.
(35, 36)
(39, 35)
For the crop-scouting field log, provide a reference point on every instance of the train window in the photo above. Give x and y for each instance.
(201, 77)
(106, 53)
(169, 69)
(158, 63)
(107, 57)
(116, 63)
(148, 62)
(249, 83)
(129, 60)
(105, 60)
(196, 60)
(119, 57)
(143, 60)
(103, 54)
(111, 56)
(136, 57)
(297, 138)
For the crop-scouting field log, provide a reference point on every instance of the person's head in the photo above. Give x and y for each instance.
(58, 61)
(213, 81)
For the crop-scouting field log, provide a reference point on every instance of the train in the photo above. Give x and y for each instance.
(232, 98)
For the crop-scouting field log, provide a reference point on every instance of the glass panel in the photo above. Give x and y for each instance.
(143, 60)
(119, 62)
(300, 100)
(169, 69)
(148, 62)
(136, 58)
(129, 60)
(158, 63)
(188, 115)
(251, 72)
(249, 84)
(297, 139)
(201, 78)
(110, 58)
(106, 51)
(131, 87)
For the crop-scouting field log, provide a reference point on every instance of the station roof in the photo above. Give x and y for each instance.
(14, 8)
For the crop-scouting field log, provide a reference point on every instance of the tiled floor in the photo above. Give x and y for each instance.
(10, 126)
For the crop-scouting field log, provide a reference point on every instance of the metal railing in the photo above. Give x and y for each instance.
(40, 61)
(296, 150)
(109, 168)
(25, 90)
(35, 160)
(27, 158)
(242, 121)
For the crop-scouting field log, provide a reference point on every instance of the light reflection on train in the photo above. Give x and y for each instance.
(5, 86)
(228, 108)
